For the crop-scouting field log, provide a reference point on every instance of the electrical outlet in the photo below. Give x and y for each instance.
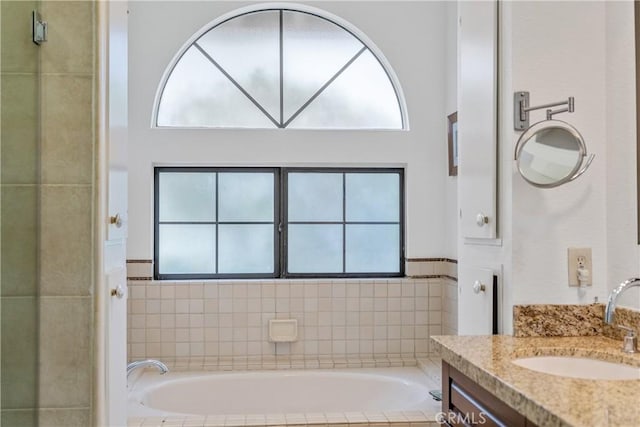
(580, 258)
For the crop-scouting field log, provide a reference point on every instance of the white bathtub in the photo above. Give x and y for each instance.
(269, 392)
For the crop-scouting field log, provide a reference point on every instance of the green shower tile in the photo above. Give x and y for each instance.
(67, 130)
(19, 352)
(66, 248)
(71, 36)
(19, 53)
(65, 374)
(21, 418)
(64, 417)
(18, 235)
(19, 120)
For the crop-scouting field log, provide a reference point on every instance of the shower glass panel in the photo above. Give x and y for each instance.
(19, 189)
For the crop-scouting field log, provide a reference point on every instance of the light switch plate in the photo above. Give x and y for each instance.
(574, 255)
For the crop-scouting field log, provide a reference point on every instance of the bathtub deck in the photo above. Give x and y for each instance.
(423, 418)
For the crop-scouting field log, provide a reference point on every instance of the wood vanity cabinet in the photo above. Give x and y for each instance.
(466, 403)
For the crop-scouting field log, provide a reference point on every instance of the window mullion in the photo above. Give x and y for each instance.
(344, 223)
(217, 246)
(281, 69)
(278, 224)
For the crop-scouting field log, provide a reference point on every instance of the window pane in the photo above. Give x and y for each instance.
(187, 196)
(245, 248)
(315, 248)
(362, 97)
(372, 196)
(248, 48)
(186, 249)
(314, 51)
(197, 94)
(372, 248)
(315, 196)
(245, 196)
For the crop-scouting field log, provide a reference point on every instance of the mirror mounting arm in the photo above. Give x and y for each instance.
(521, 109)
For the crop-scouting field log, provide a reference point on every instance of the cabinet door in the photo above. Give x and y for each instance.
(466, 403)
(475, 300)
(477, 117)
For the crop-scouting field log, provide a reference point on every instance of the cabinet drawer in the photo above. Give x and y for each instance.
(466, 403)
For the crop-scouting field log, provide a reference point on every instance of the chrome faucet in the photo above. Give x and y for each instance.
(146, 363)
(630, 344)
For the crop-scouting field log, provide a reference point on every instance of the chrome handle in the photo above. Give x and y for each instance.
(478, 287)
(481, 219)
(116, 220)
(118, 292)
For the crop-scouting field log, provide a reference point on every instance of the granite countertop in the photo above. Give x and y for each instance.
(547, 400)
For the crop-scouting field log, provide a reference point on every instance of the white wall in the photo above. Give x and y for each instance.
(451, 98)
(622, 236)
(555, 50)
(559, 51)
(410, 34)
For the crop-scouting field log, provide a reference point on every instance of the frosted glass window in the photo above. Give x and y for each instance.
(248, 48)
(315, 248)
(372, 197)
(197, 94)
(186, 249)
(362, 97)
(315, 196)
(316, 49)
(235, 222)
(187, 197)
(279, 68)
(246, 196)
(372, 248)
(246, 248)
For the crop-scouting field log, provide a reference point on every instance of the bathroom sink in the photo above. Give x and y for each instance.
(579, 367)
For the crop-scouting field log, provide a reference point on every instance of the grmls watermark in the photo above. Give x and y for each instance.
(449, 418)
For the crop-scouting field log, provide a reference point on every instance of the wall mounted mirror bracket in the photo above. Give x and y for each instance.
(550, 152)
(521, 109)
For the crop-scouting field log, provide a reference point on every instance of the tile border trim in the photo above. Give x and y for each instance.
(416, 268)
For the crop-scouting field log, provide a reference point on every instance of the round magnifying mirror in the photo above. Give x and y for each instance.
(550, 153)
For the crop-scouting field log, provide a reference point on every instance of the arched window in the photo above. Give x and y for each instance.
(280, 68)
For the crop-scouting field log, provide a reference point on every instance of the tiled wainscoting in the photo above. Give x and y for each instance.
(224, 324)
(341, 323)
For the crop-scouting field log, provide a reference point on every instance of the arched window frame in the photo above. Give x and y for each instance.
(345, 25)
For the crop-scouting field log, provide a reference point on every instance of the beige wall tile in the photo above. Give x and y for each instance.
(334, 321)
(65, 349)
(67, 129)
(20, 124)
(19, 224)
(66, 241)
(71, 26)
(19, 53)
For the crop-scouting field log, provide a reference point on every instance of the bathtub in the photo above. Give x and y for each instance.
(341, 392)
